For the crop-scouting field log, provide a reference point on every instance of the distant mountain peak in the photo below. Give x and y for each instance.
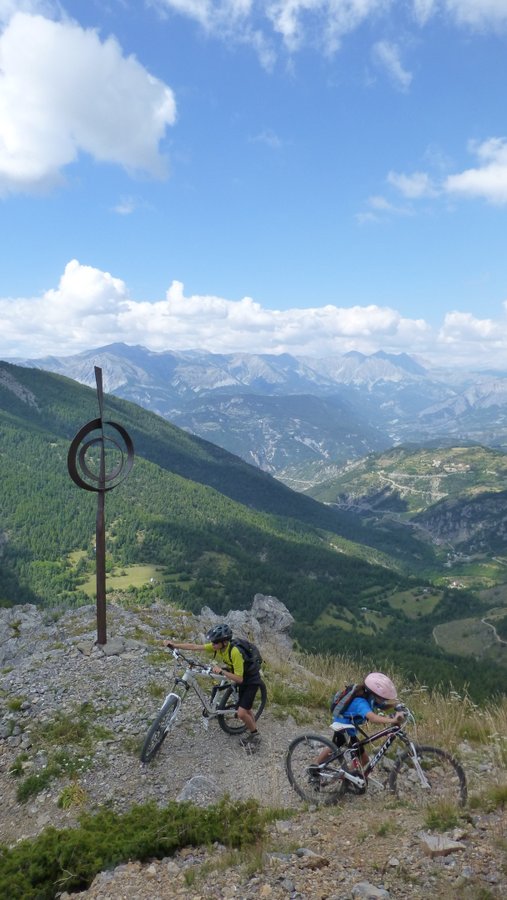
(402, 361)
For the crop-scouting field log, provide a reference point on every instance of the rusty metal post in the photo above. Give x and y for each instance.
(83, 474)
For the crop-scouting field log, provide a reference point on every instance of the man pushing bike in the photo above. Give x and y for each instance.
(234, 662)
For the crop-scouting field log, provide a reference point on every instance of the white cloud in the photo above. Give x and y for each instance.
(488, 180)
(267, 137)
(125, 206)
(464, 340)
(64, 91)
(9, 7)
(459, 326)
(414, 186)
(90, 308)
(381, 208)
(479, 13)
(297, 23)
(323, 24)
(228, 20)
(424, 9)
(387, 56)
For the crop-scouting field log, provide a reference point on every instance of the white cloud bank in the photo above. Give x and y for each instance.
(63, 92)
(91, 308)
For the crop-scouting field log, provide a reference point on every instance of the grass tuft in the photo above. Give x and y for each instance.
(442, 816)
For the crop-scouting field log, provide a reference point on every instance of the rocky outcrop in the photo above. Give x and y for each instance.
(267, 623)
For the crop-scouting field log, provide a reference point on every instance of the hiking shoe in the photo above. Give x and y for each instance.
(314, 778)
(250, 740)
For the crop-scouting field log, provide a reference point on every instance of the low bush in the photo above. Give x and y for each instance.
(68, 860)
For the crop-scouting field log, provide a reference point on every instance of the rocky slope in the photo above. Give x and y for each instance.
(52, 675)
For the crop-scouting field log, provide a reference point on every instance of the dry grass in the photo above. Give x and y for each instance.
(443, 718)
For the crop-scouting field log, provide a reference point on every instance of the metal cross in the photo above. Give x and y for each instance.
(91, 473)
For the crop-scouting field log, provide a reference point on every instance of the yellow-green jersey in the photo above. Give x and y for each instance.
(230, 657)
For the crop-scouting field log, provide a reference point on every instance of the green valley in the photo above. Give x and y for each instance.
(195, 525)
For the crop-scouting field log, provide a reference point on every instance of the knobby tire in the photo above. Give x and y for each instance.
(159, 729)
(228, 700)
(446, 778)
(303, 751)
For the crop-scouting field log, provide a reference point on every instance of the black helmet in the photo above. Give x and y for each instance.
(219, 633)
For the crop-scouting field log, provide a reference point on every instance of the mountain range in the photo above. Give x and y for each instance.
(298, 418)
(196, 525)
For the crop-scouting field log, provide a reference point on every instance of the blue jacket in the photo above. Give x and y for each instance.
(356, 712)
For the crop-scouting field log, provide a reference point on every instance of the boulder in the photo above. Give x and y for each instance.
(267, 622)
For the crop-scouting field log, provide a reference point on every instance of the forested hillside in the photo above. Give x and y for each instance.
(176, 530)
(211, 547)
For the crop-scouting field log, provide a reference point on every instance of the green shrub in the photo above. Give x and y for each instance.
(68, 728)
(15, 704)
(155, 690)
(68, 860)
(17, 768)
(442, 816)
(33, 785)
(494, 797)
(72, 795)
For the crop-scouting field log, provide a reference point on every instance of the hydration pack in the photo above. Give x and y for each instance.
(342, 699)
(250, 653)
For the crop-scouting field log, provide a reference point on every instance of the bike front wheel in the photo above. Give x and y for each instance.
(229, 702)
(323, 788)
(443, 778)
(160, 727)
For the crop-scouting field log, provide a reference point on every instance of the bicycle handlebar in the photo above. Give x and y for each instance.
(200, 668)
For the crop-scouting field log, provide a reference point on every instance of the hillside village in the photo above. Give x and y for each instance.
(73, 716)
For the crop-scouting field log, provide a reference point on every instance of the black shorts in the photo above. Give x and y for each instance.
(246, 694)
(341, 738)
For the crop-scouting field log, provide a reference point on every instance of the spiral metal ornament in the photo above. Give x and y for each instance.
(94, 436)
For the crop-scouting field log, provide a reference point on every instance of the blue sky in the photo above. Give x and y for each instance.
(302, 176)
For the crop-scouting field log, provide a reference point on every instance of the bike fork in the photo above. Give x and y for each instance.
(417, 766)
(172, 696)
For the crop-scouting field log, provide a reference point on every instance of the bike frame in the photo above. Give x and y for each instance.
(189, 681)
(391, 734)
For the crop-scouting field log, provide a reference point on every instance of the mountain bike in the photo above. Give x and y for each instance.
(417, 774)
(221, 704)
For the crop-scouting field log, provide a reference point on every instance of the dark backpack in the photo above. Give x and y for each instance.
(250, 653)
(342, 699)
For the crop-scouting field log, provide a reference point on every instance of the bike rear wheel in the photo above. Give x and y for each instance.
(229, 701)
(446, 779)
(322, 789)
(160, 727)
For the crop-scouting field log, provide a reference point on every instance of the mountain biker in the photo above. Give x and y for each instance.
(376, 692)
(230, 664)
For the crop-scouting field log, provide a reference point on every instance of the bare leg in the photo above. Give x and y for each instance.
(323, 755)
(247, 717)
